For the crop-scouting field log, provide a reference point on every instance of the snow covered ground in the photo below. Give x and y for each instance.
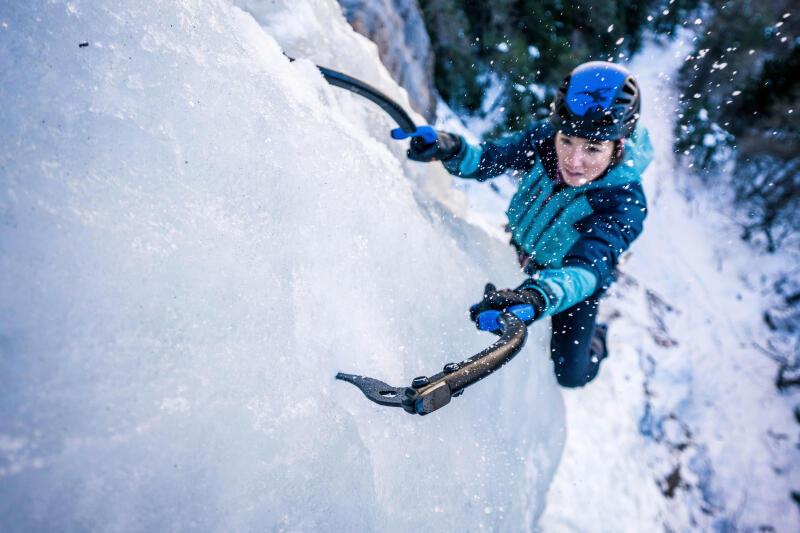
(683, 430)
(684, 426)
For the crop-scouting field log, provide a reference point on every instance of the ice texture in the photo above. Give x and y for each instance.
(195, 236)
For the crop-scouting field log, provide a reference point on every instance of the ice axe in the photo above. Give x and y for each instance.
(427, 394)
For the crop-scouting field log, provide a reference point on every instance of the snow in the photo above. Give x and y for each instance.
(688, 395)
(538, 90)
(195, 235)
(491, 113)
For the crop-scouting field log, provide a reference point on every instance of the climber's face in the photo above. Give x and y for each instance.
(582, 160)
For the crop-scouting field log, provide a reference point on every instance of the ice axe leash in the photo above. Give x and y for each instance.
(407, 127)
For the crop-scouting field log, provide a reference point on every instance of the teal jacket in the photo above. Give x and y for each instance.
(574, 235)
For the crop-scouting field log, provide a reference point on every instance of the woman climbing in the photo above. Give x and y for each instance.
(579, 205)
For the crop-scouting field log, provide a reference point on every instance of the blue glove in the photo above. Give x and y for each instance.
(527, 304)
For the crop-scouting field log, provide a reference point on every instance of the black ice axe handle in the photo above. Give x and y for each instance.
(343, 81)
(427, 394)
(407, 126)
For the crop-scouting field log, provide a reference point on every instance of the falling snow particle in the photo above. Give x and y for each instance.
(620, 41)
(698, 21)
(610, 28)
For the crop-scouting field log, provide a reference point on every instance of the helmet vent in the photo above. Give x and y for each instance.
(604, 102)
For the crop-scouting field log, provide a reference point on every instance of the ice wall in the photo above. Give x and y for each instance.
(195, 236)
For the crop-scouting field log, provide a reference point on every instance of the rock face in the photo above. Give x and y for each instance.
(396, 26)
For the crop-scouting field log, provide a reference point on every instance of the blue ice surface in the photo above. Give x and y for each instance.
(180, 285)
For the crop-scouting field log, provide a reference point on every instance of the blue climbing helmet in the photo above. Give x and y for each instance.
(597, 100)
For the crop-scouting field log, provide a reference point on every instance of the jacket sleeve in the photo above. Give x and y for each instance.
(617, 219)
(492, 158)
(562, 287)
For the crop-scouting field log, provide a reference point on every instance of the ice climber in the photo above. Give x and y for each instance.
(579, 205)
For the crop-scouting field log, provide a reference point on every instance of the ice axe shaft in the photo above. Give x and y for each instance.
(393, 109)
(427, 394)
